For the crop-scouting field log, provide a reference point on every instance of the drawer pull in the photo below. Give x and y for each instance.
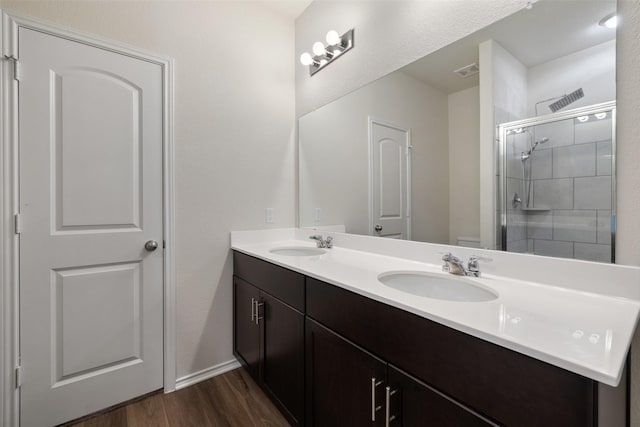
(253, 308)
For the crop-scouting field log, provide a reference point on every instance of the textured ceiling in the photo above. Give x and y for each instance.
(550, 30)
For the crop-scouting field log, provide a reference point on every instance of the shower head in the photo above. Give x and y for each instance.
(525, 156)
(566, 100)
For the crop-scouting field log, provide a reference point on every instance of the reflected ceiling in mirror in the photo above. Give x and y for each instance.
(400, 157)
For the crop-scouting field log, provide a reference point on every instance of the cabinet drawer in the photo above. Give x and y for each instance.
(509, 387)
(286, 285)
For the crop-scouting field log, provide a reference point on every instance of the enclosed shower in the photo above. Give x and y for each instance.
(557, 184)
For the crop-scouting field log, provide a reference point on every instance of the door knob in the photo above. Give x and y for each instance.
(151, 245)
(378, 228)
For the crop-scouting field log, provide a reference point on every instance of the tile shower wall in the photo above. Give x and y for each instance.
(569, 214)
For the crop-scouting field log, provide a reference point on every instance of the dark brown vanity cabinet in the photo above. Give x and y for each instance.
(328, 357)
(348, 386)
(246, 328)
(344, 383)
(414, 403)
(455, 378)
(269, 331)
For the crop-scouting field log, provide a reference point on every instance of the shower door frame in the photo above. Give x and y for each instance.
(550, 118)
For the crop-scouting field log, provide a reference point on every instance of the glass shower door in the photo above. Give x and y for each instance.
(558, 184)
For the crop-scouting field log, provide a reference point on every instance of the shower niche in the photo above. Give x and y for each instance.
(557, 184)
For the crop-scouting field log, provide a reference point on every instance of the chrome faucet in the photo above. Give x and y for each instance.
(322, 243)
(454, 265)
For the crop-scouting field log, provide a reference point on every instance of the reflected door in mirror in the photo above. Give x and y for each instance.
(390, 166)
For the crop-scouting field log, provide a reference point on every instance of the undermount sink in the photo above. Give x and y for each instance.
(437, 286)
(298, 251)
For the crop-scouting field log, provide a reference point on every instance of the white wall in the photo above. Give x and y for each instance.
(503, 96)
(628, 158)
(509, 85)
(464, 165)
(592, 69)
(234, 145)
(334, 156)
(388, 35)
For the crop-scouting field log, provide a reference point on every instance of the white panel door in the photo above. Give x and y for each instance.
(91, 295)
(390, 161)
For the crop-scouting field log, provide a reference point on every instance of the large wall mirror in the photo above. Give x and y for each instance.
(407, 155)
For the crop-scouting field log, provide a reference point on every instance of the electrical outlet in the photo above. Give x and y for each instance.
(269, 216)
(316, 215)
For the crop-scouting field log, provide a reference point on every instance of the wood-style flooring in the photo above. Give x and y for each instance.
(230, 399)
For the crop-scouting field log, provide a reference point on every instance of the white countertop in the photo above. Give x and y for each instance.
(584, 332)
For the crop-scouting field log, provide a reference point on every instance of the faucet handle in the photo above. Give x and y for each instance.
(473, 265)
(328, 242)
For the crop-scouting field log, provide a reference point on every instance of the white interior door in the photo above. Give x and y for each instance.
(91, 295)
(390, 176)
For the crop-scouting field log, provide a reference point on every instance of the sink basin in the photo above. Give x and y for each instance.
(298, 251)
(438, 286)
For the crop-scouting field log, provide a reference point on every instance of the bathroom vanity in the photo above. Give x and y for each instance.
(332, 346)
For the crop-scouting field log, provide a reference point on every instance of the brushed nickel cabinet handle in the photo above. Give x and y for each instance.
(253, 307)
(258, 317)
(374, 408)
(388, 416)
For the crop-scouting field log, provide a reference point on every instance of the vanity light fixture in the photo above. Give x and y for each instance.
(609, 21)
(323, 55)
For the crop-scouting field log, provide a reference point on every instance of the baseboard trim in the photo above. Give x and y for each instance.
(207, 373)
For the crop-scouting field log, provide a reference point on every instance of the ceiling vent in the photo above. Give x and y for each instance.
(468, 70)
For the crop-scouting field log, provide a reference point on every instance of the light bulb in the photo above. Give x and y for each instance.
(318, 49)
(333, 38)
(306, 59)
(583, 119)
(600, 116)
(609, 21)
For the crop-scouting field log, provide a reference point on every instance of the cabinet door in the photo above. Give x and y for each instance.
(339, 378)
(283, 356)
(246, 332)
(413, 403)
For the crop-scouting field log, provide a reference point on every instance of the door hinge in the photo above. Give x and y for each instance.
(18, 378)
(17, 70)
(17, 223)
(16, 67)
